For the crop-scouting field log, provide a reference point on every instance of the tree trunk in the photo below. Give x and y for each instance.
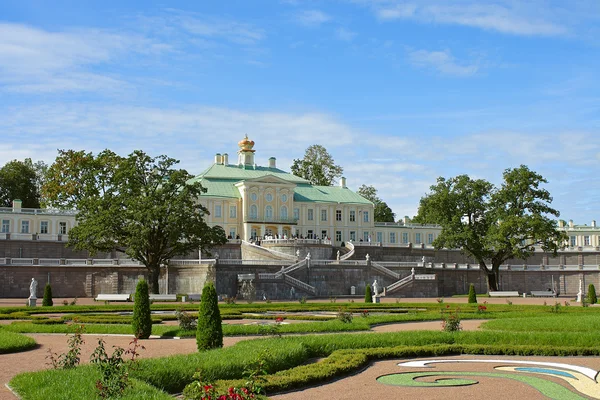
(153, 275)
(492, 280)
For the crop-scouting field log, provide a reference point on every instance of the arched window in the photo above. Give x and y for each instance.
(268, 212)
(283, 213)
(253, 211)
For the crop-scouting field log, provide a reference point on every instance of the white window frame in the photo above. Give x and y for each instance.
(25, 226)
(365, 216)
(338, 236)
(232, 211)
(44, 225)
(352, 216)
(573, 241)
(268, 212)
(430, 238)
(310, 215)
(62, 228)
(338, 215)
(323, 215)
(296, 213)
(392, 237)
(418, 238)
(283, 212)
(253, 211)
(218, 211)
(405, 237)
(5, 225)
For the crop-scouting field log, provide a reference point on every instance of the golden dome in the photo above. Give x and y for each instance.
(246, 144)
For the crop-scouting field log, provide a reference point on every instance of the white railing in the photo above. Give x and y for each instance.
(4, 236)
(350, 253)
(270, 276)
(76, 261)
(273, 253)
(425, 277)
(385, 271)
(37, 211)
(294, 267)
(21, 236)
(49, 261)
(402, 282)
(402, 264)
(234, 241)
(47, 237)
(299, 284)
(232, 261)
(2, 261)
(21, 261)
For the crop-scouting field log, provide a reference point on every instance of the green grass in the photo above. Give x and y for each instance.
(11, 342)
(513, 330)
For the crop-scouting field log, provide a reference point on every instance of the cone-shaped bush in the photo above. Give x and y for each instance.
(142, 321)
(47, 301)
(368, 295)
(591, 294)
(472, 295)
(209, 332)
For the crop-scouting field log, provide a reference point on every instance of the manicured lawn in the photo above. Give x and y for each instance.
(11, 342)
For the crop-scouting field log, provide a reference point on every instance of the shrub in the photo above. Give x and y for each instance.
(186, 321)
(591, 294)
(368, 295)
(344, 315)
(451, 321)
(47, 301)
(142, 321)
(71, 358)
(209, 332)
(114, 370)
(472, 294)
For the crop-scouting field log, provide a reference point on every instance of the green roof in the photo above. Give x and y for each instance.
(235, 172)
(220, 180)
(327, 194)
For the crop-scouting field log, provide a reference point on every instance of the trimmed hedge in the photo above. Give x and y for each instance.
(141, 321)
(368, 295)
(591, 294)
(47, 301)
(472, 294)
(209, 331)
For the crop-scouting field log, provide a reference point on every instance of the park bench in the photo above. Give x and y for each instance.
(542, 293)
(113, 297)
(504, 294)
(163, 297)
(194, 296)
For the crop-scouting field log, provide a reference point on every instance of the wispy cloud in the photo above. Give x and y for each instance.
(345, 34)
(441, 61)
(502, 16)
(312, 18)
(34, 60)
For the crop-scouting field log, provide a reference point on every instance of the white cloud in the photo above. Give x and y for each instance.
(345, 34)
(442, 61)
(312, 17)
(503, 16)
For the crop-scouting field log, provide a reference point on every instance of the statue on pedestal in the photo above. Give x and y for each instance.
(375, 288)
(33, 289)
(337, 257)
(580, 293)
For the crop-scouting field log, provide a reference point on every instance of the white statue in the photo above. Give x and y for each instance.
(412, 271)
(337, 257)
(308, 256)
(580, 293)
(298, 253)
(368, 257)
(375, 288)
(33, 289)
(423, 260)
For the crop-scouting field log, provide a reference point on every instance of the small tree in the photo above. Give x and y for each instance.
(47, 301)
(472, 294)
(142, 321)
(209, 332)
(591, 294)
(368, 295)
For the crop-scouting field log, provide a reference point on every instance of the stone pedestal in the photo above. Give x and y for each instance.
(376, 299)
(32, 302)
(352, 289)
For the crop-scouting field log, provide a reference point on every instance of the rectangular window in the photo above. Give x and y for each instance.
(405, 237)
(217, 211)
(586, 240)
(253, 232)
(379, 237)
(323, 215)
(296, 214)
(232, 233)
(310, 216)
(24, 226)
(418, 238)
(338, 236)
(338, 215)
(352, 216)
(309, 234)
(232, 212)
(429, 238)
(353, 236)
(392, 237)
(44, 227)
(62, 228)
(366, 216)
(573, 241)
(323, 234)
(5, 226)
(366, 237)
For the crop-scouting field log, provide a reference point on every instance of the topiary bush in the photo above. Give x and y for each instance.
(368, 295)
(142, 321)
(472, 294)
(209, 331)
(591, 294)
(47, 301)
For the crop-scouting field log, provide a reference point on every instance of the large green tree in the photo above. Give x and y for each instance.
(317, 166)
(493, 224)
(383, 213)
(138, 205)
(21, 180)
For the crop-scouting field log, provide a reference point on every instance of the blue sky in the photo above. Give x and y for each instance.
(399, 92)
